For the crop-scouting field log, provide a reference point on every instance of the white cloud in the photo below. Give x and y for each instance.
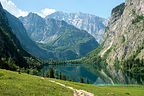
(11, 7)
(40, 14)
(45, 12)
(48, 11)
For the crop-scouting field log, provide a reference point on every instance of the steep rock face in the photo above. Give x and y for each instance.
(35, 26)
(26, 42)
(119, 59)
(91, 23)
(63, 41)
(124, 35)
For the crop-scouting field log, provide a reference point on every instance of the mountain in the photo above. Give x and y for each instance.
(63, 41)
(92, 24)
(27, 44)
(12, 55)
(121, 55)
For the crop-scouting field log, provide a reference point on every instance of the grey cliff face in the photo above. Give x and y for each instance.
(91, 23)
(123, 28)
(124, 35)
(38, 24)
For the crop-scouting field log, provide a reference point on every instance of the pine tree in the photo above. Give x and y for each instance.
(87, 81)
(47, 74)
(50, 73)
(19, 70)
(42, 72)
(3, 64)
(56, 75)
(27, 71)
(81, 80)
(60, 76)
(35, 72)
(11, 64)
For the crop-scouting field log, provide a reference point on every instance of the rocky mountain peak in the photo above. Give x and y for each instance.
(58, 37)
(94, 25)
(34, 15)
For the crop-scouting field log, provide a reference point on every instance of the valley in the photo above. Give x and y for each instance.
(60, 40)
(72, 54)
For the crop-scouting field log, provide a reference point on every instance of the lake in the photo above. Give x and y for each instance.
(75, 71)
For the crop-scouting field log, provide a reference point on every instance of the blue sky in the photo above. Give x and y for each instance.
(100, 8)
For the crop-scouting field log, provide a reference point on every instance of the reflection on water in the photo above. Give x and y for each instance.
(75, 72)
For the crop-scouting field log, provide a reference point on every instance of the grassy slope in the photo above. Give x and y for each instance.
(124, 90)
(14, 84)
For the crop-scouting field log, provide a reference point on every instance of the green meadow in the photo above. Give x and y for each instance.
(15, 84)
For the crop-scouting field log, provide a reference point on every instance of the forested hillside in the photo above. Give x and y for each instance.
(12, 55)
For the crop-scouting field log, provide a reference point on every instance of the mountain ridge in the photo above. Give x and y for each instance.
(58, 38)
(26, 42)
(12, 55)
(92, 24)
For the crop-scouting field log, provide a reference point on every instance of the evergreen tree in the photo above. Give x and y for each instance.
(47, 74)
(8, 64)
(60, 76)
(87, 81)
(27, 71)
(31, 71)
(3, 64)
(50, 73)
(56, 75)
(23, 71)
(35, 72)
(19, 70)
(81, 80)
(11, 64)
(42, 72)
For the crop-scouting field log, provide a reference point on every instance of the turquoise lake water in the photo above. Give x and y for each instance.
(76, 71)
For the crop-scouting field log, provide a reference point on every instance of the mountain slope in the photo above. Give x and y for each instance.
(11, 49)
(14, 84)
(123, 47)
(63, 41)
(26, 42)
(92, 24)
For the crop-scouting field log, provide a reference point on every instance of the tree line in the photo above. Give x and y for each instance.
(51, 73)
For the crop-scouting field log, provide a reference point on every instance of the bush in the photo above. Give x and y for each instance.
(64, 77)
(138, 19)
(33, 71)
